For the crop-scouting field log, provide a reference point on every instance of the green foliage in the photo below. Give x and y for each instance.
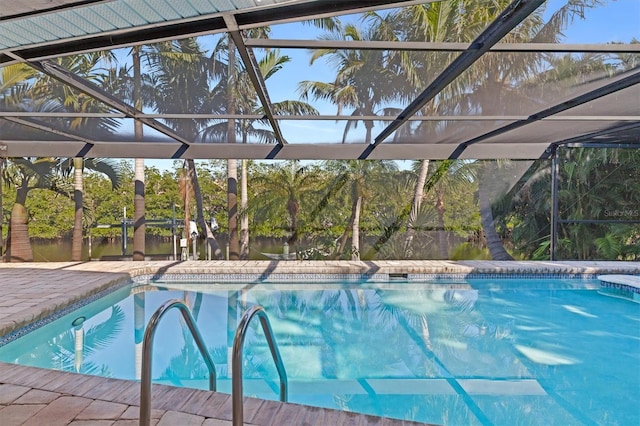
(608, 246)
(598, 189)
(49, 213)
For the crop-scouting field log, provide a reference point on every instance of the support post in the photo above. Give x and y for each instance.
(554, 204)
(173, 231)
(124, 232)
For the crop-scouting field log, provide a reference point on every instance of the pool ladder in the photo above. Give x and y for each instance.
(236, 361)
(238, 343)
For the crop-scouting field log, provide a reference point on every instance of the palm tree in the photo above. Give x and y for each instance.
(110, 168)
(47, 90)
(14, 84)
(232, 164)
(360, 176)
(26, 174)
(282, 188)
(416, 203)
(477, 89)
(44, 173)
(139, 211)
(494, 243)
(180, 79)
(2, 161)
(359, 79)
(139, 226)
(434, 22)
(244, 100)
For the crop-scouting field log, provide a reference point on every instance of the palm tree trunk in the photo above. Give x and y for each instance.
(78, 191)
(418, 194)
(443, 244)
(355, 230)
(232, 165)
(2, 160)
(139, 219)
(186, 193)
(494, 243)
(232, 214)
(244, 217)
(343, 239)
(19, 245)
(202, 223)
(292, 209)
(139, 208)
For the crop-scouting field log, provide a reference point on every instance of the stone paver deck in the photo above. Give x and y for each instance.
(32, 291)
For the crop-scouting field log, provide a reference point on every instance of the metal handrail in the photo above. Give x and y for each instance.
(236, 367)
(147, 343)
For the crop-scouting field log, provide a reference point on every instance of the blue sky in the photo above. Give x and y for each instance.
(613, 21)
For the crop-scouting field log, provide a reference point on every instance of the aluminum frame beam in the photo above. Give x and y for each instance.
(419, 46)
(601, 91)
(25, 114)
(34, 124)
(290, 151)
(86, 86)
(253, 70)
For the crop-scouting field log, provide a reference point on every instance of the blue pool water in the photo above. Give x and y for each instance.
(490, 352)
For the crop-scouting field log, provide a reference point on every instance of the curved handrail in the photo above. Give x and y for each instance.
(147, 344)
(236, 367)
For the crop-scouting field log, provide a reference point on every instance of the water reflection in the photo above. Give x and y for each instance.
(450, 354)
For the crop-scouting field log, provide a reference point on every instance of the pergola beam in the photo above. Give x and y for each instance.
(28, 122)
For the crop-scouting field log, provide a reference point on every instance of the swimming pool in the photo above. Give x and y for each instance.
(479, 351)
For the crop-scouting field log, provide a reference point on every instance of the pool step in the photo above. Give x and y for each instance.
(622, 286)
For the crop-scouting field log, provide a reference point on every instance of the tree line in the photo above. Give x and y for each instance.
(365, 209)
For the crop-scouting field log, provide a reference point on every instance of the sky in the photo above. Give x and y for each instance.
(613, 21)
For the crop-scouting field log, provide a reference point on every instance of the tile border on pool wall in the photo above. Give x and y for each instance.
(265, 277)
(623, 291)
(16, 334)
(329, 277)
(493, 276)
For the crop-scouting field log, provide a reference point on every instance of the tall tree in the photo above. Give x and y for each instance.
(48, 91)
(108, 167)
(361, 176)
(281, 190)
(181, 79)
(139, 208)
(245, 101)
(14, 84)
(358, 83)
